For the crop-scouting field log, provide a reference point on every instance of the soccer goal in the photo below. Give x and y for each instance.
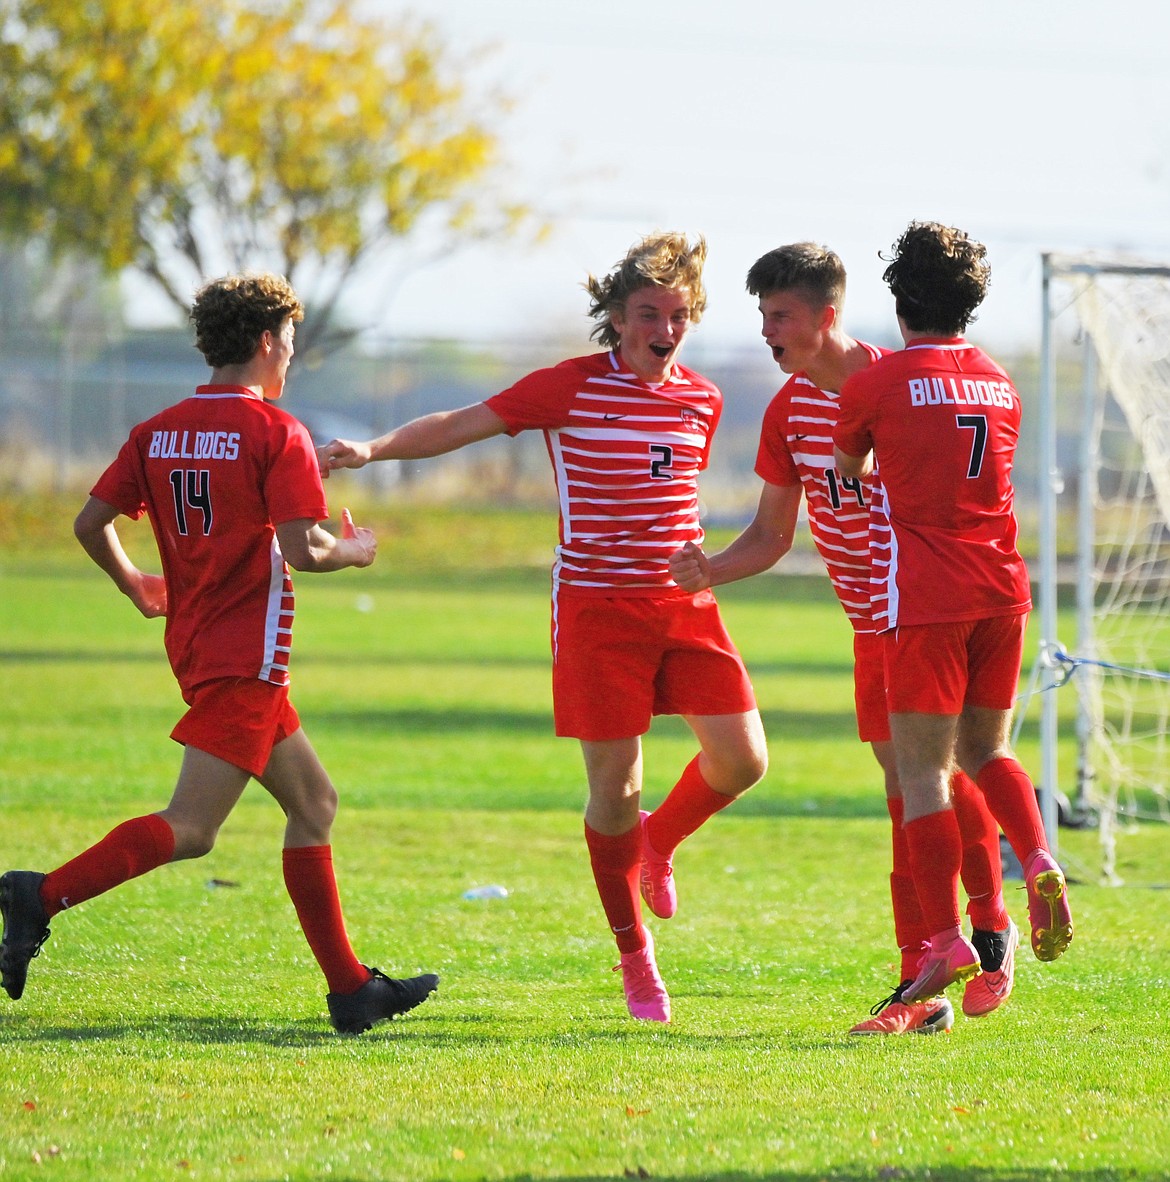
(1105, 536)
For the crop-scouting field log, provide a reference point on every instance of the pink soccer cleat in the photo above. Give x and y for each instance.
(948, 959)
(646, 996)
(892, 1015)
(657, 877)
(990, 989)
(1048, 909)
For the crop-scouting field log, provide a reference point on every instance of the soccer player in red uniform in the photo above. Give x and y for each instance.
(628, 431)
(801, 289)
(941, 421)
(233, 492)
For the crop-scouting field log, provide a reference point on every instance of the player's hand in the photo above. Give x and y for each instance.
(342, 453)
(690, 568)
(365, 544)
(149, 595)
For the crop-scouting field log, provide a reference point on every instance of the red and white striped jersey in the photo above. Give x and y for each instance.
(796, 447)
(626, 457)
(216, 473)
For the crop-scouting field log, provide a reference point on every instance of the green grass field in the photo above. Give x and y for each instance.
(177, 1029)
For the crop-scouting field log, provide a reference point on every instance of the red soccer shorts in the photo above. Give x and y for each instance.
(940, 668)
(238, 720)
(869, 687)
(619, 660)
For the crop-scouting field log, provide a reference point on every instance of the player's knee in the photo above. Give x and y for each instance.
(192, 841)
(973, 757)
(316, 811)
(325, 809)
(756, 767)
(745, 770)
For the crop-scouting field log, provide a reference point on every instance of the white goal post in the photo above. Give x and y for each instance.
(1105, 503)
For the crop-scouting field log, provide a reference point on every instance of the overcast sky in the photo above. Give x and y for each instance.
(1035, 124)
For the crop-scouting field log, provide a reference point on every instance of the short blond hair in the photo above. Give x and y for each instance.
(663, 259)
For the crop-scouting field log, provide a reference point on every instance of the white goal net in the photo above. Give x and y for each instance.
(1105, 533)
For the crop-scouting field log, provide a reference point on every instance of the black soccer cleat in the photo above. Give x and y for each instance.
(380, 998)
(26, 927)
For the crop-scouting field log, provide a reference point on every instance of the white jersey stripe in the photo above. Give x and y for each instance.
(626, 457)
(272, 668)
(797, 438)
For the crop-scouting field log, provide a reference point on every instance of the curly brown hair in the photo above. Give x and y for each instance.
(659, 260)
(938, 276)
(231, 314)
(813, 272)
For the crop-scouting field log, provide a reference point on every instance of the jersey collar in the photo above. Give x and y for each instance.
(933, 342)
(617, 365)
(218, 391)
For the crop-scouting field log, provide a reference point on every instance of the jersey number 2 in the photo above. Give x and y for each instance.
(663, 454)
(192, 490)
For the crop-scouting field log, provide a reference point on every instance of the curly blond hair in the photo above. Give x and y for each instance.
(662, 259)
(231, 314)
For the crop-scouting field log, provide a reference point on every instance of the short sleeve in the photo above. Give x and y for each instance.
(119, 485)
(853, 433)
(292, 485)
(540, 401)
(774, 461)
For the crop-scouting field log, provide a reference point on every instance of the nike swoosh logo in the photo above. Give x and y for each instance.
(610, 418)
(800, 437)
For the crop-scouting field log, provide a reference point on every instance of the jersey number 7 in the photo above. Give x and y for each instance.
(978, 424)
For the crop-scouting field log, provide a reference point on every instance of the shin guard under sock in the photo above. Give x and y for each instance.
(310, 882)
(616, 863)
(133, 848)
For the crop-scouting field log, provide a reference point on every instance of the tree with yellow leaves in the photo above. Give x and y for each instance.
(184, 140)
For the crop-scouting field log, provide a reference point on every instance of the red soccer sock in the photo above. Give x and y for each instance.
(1011, 797)
(133, 848)
(616, 863)
(981, 871)
(909, 926)
(936, 850)
(690, 803)
(309, 879)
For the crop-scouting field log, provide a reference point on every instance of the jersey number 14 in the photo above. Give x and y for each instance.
(192, 490)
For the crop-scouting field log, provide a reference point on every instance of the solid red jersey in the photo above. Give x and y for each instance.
(943, 421)
(626, 457)
(796, 447)
(215, 473)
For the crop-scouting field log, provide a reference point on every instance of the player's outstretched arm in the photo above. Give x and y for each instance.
(94, 529)
(761, 545)
(308, 547)
(432, 435)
